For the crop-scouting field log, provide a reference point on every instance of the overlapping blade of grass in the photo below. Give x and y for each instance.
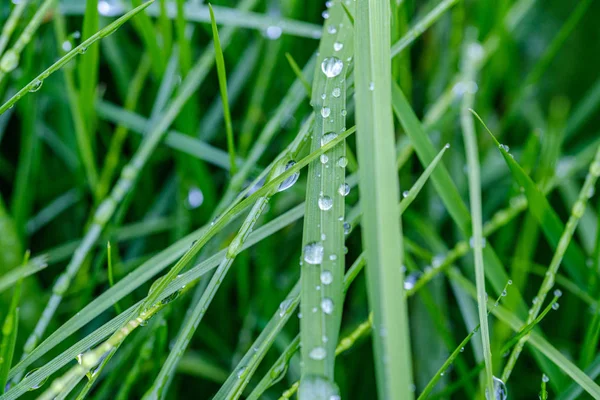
(88, 65)
(161, 289)
(161, 384)
(124, 185)
(9, 331)
(421, 26)
(535, 339)
(561, 247)
(10, 59)
(323, 266)
(38, 81)
(145, 28)
(113, 154)
(220, 61)
(279, 367)
(448, 191)
(379, 192)
(234, 17)
(82, 135)
(11, 23)
(173, 139)
(453, 356)
(547, 218)
(470, 58)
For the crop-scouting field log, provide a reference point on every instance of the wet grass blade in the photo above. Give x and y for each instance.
(322, 266)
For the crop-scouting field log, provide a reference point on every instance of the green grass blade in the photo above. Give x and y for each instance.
(9, 333)
(547, 218)
(379, 190)
(536, 340)
(298, 73)
(472, 153)
(35, 83)
(88, 66)
(322, 266)
(223, 88)
(11, 23)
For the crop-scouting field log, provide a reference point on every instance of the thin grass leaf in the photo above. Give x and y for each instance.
(35, 83)
(472, 153)
(231, 17)
(382, 236)
(222, 75)
(421, 26)
(459, 349)
(11, 23)
(88, 66)
(10, 329)
(535, 339)
(298, 73)
(11, 58)
(161, 384)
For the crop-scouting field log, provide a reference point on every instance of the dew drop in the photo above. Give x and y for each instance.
(504, 147)
(405, 193)
(372, 86)
(332, 66)
(499, 390)
(337, 46)
(344, 189)
(284, 306)
(545, 378)
(326, 277)
(273, 32)
(328, 137)
(325, 112)
(557, 293)
(331, 29)
(347, 228)
(195, 198)
(336, 92)
(325, 14)
(38, 385)
(410, 281)
(324, 159)
(313, 253)
(342, 162)
(327, 305)
(289, 182)
(325, 203)
(555, 306)
(318, 353)
(109, 8)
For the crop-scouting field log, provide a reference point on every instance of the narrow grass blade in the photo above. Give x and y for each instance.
(10, 59)
(421, 26)
(88, 66)
(233, 17)
(536, 340)
(298, 73)
(11, 23)
(9, 333)
(472, 153)
(223, 88)
(35, 83)
(547, 218)
(380, 193)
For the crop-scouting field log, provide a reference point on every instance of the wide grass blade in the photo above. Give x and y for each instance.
(322, 265)
(380, 193)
